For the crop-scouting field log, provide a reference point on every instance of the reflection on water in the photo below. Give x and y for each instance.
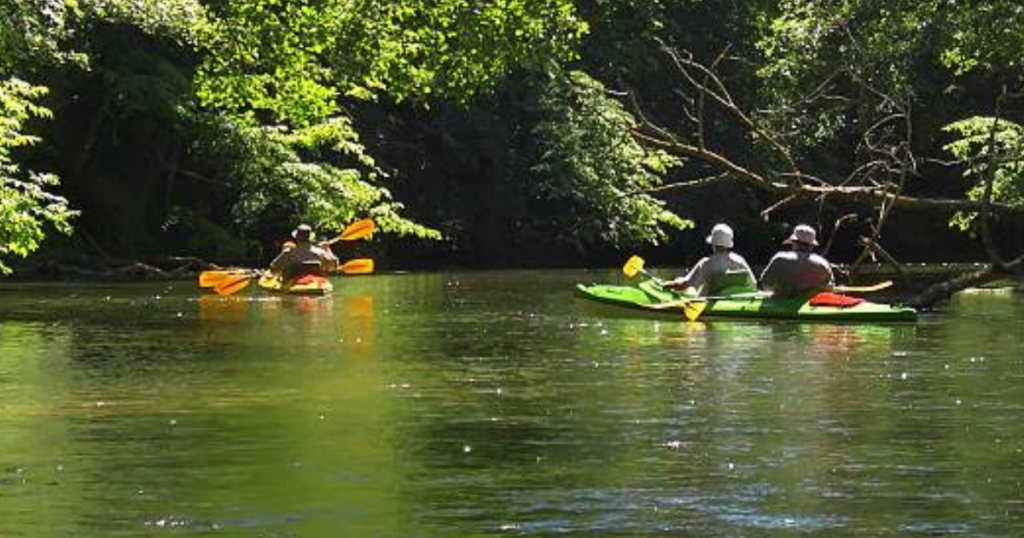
(487, 403)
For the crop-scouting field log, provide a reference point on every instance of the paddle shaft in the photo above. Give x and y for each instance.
(658, 281)
(764, 295)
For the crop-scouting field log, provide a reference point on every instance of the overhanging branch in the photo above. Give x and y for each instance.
(873, 195)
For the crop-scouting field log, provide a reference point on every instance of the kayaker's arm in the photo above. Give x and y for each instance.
(676, 284)
(280, 261)
(695, 277)
(328, 261)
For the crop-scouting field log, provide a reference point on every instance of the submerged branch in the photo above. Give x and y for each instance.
(944, 290)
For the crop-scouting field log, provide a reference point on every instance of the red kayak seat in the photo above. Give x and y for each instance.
(828, 298)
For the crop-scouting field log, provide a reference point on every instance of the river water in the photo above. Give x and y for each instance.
(493, 403)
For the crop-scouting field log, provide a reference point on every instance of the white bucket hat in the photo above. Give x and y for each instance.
(303, 232)
(721, 236)
(802, 234)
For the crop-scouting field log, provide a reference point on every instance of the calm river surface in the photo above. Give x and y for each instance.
(493, 403)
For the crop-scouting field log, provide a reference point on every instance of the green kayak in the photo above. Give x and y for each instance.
(648, 296)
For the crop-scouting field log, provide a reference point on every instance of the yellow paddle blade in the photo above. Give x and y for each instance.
(693, 309)
(634, 265)
(361, 266)
(358, 230)
(863, 289)
(232, 285)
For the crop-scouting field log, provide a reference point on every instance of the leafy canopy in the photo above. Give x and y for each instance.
(832, 68)
(988, 147)
(592, 165)
(295, 61)
(26, 205)
(293, 64)
(318, 174)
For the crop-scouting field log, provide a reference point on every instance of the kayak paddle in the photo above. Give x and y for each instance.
(634, 265)
(694, 309)
(209, 279)
(235, 284)
(357, 230)
(359, 266)
(232, 284)
(684, 301)
(863, 289)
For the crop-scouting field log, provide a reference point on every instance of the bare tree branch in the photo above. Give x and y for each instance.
(713, 87)
(861, 194)
(702, 182)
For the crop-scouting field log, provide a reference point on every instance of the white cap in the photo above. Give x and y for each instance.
(803, 234)
(721, 236)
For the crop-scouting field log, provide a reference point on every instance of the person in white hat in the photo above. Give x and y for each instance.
(721, 273)
(795, 272)
(303, 257)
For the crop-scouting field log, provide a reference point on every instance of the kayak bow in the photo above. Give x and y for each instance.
(303, 285)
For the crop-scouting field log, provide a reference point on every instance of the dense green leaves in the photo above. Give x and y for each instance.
(294, 60)
(318, 174)
(26, 203)
(836, 68)
(38, 33)
(986, 148)
(592, 165)
(983, 37)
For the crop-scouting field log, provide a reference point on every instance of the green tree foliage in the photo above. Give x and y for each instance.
(874, 79)
(987, 147)
(593, 167)
(983, 37)
(34, 32)
(295, 60)
(38, 33)
(26, 203)
(833, 68)
(317, 174)
(293, 65)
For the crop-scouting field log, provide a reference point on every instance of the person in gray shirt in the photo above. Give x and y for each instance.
(795, 272)
(723, 271)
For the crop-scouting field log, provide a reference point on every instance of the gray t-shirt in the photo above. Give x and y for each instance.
(792, 273)
(719, 271)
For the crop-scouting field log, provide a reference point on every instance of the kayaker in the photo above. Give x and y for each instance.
(304, 257)
(723, 272)
(794, 272)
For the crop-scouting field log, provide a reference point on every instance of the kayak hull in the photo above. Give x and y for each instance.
(304, 285)
(648, 297)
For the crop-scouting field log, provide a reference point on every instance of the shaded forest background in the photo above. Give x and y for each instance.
(504, 134)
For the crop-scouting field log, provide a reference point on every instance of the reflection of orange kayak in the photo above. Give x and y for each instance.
(303, 285)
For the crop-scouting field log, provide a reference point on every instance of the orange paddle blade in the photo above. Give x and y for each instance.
(209, 279)
(358, 230)
(361, 266)
(232, 285)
